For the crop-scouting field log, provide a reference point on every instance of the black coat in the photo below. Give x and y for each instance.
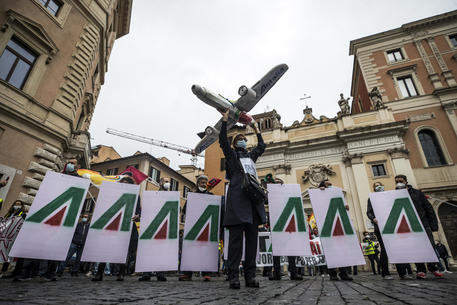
(239, 208)
(423, 207)
(442, 251)
(79, 238)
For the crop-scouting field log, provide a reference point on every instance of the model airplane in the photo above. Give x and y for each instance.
(239, 109)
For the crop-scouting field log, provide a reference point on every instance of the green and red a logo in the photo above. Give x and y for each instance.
(402, 204)
(122, 209)
(66, 204)
(288, 217)
(336, 221)
(207, 226)
(167, 220)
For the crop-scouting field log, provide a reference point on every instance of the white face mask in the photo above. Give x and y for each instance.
(379, 188)
(84, 219)
(16, 207)
(367, 236)
(400, 185)
(202, 189)
(166, 185)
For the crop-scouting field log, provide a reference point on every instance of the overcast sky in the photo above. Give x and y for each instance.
(223, 44)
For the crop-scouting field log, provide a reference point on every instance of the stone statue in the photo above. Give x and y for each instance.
(316, 173)
(344, 105)
(376, 98)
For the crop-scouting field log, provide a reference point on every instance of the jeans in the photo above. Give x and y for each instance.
(74, 248)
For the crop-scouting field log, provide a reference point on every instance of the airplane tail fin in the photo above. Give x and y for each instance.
(201, 134)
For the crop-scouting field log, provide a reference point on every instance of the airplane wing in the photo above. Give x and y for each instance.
(209, 139)
(246, 103)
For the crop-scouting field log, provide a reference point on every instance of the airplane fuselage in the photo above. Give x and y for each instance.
(221, 104)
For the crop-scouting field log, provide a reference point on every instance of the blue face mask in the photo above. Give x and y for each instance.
(241, 144)
(70, 168)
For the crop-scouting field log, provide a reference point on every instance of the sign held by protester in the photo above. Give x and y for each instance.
(51, 222)
(401, 229)
(201, 233)
(289, 230)
(337, 234)
(109, 233)
(158, 242)
(9, 228)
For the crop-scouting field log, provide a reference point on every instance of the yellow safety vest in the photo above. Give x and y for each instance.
(369, 249)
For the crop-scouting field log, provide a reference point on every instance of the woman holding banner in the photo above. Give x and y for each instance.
(241, 214)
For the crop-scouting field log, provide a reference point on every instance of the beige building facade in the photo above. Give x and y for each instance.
(53, 59)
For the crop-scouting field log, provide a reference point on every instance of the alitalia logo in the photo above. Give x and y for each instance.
(207, 226)
(397, 223)
(54, 212)
(165, 224)
(118, 216)
(337, 220)
(286, 221)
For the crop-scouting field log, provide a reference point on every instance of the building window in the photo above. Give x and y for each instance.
(16, 62)
(154, 174)
(395, 55)
(453, 39)
(133, 165)
(222, 164)
(174, 185)
(112, 171)
(378, 170)
(431, 148)
(53, 6)
(185, 191)
(407, 86)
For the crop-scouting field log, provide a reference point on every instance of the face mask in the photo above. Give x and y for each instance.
(241, 144)
(400, 186)
(202, 189)
(16, 207)
(329, 186)
(70, 168)
(84, 219)
(379, 188)
(166, 185)
(367, 236)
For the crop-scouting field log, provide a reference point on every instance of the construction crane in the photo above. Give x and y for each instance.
(155, 142)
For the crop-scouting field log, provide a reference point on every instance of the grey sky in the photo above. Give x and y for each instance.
(222, 44)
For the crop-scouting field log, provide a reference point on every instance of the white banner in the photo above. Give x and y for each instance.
(337, 234)
(109, 234)
(289, 228)
(265, 257)
(201, 233)
(401, 229)
(158, 241)
(9, 228)
(51, 222)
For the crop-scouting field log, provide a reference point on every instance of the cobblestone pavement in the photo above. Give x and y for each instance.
(365, 289)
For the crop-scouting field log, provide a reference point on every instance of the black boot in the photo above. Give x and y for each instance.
(345, 277)
(295, 277)
(275, 277)
(252, 282)
(235, 284)
(98, 276)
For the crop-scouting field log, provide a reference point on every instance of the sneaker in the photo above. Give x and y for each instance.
(88, 274)
(144, 278)
(447, 271)
(206, 278)
(420, 276)
(334, 278)
(185, 278)
(437, 274)
(387, 277)
(406, 277)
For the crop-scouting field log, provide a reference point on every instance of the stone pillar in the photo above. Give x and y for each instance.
(351, 196)
(362, 188)
(402, 166)
(450, 109)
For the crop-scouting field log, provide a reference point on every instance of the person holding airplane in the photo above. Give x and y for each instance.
(241, 214)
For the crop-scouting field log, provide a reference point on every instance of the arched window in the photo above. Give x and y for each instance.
(431, 148)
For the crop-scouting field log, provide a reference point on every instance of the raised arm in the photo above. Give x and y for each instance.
(260, 148)
(223, 141)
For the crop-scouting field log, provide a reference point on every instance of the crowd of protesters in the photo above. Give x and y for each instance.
(242, 216)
